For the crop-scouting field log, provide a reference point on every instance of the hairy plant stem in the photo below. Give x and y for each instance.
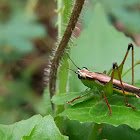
(63, 44)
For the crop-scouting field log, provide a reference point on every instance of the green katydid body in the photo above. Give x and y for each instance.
(91, 79)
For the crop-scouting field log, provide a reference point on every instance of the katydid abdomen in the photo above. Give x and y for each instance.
(91, 78)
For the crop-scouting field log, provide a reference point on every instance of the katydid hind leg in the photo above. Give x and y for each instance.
(120, 67)
(108, 85)
(126, 102)
(130, 46)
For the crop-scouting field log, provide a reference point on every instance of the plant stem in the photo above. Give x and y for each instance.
(63, 44)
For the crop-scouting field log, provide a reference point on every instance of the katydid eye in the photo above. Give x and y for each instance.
(80, 76)
(84, 68)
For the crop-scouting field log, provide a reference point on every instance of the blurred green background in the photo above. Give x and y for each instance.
(27, 34)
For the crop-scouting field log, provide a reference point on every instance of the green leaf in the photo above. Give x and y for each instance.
(60, 99)
(122, 132)
(80, 111)
(19, 129)
(98, 111)
(36, 127)
(81, 131)
(44, 107)
(45, 130)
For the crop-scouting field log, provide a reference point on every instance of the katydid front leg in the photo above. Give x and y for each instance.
(85, 94)
(110, 111)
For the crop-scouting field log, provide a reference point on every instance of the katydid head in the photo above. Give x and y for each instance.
(83, 73)
(80, 72)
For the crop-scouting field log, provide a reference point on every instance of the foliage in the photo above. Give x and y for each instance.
(98, 45)
(37, 127)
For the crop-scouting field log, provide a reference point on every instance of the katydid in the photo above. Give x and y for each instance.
(113, 82)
